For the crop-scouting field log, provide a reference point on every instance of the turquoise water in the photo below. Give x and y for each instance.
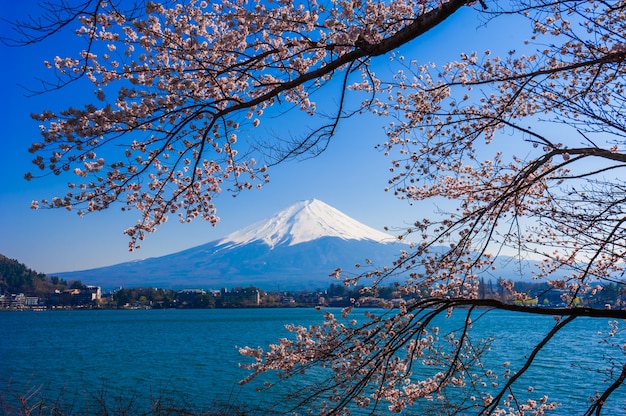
(192, 355)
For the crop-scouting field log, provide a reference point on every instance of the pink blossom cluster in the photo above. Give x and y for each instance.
(175, 86)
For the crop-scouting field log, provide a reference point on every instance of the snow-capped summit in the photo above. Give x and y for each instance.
(305, 221)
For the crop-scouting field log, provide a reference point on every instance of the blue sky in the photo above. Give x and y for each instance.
(351, 175)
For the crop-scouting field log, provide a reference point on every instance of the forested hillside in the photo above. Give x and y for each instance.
(16, 277)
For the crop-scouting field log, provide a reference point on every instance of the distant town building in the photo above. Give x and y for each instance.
(31, 301)
(87, 296)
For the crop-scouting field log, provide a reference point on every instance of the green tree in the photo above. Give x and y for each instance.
(77, 284)
(122, 297)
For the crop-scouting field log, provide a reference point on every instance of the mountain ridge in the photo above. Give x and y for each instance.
(296, 248)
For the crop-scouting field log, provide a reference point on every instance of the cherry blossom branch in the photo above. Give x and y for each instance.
(532, 310)
(178, 92)
(496, 400)
(599, 402)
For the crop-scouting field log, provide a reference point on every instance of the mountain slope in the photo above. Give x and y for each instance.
(296, 248)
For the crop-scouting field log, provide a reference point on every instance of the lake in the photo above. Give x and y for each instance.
(192, 355)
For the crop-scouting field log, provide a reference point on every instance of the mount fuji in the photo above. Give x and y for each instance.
(297, 248)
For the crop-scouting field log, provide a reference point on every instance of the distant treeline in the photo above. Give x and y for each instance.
(334, 295)
(16, 277)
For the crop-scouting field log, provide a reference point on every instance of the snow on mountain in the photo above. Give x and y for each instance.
(305, 221)
(294, 249)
